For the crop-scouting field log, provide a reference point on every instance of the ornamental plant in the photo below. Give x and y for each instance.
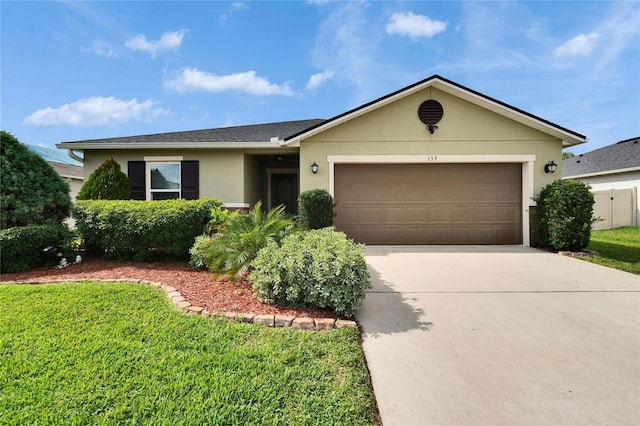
(233, 248)
(31, 192)
(315, 209)
(319, 269)
(107, 182)
(565, 215)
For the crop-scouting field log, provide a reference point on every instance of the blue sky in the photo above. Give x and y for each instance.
(85, 70)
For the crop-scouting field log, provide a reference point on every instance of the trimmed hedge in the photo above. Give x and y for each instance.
(565, 215)
(135, 229)
(319, 268)
(22, 247)
(315, 209)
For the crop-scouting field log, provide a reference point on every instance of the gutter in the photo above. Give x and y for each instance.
(75, 156)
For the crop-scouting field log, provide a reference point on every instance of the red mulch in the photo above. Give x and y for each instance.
(200, 288)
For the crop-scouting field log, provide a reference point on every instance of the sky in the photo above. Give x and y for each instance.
(73, 70)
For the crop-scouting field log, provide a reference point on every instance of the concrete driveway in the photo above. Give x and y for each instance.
(486, 335)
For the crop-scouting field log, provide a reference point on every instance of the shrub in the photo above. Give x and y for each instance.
(565, 215)
(232, 250)
(315, 209)
(107, 182)
(135, 229)
(31, 193)
(198, 252)
(22, 247)
(219, 218)
(319, 268)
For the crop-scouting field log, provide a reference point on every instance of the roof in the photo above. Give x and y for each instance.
(568, 137)
(53, 155)
(68, 170)
(619, 157)
(237, 136)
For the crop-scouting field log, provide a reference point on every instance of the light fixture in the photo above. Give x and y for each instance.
(314, 168)
(550, 167)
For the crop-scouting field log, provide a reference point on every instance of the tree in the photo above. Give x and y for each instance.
(32, 193)
(567, 154)
(107, 182)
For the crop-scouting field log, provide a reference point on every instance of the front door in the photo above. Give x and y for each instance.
(284, 190)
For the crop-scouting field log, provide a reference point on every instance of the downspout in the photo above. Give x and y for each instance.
(75, 156)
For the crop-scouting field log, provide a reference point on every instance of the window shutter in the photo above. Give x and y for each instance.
(190, 180)
(137, 180)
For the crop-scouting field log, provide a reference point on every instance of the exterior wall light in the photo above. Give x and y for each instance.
(314, 168)
(550, 167)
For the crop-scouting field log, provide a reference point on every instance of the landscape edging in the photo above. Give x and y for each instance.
(182, 304)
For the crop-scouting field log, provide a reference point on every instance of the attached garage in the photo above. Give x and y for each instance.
(431, 203)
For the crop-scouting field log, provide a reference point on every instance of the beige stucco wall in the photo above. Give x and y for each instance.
(222, 172)
(395, 129)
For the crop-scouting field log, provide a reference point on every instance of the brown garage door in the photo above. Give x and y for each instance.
(429, 203)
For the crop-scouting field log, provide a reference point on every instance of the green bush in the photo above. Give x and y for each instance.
(319, 268)
(107, 182)
(565, 215)
(315, 209)
(198, 252)
(31, 192)
(136, 229)
(22, 247)
(220, 216)
(241, 238)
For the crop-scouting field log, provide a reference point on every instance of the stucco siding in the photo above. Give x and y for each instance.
(221, 172)
(395, 129)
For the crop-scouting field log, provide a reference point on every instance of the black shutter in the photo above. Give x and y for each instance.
(137, 180)
(190, 180)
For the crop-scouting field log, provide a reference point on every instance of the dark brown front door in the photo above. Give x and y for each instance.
(284, 190)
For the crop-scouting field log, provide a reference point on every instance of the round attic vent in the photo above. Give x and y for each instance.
(430, 112)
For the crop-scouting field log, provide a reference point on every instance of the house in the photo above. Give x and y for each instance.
(613, 172)
(68, 168)
(432, 163)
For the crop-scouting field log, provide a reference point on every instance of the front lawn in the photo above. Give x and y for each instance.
(119, 353)
(619, 248)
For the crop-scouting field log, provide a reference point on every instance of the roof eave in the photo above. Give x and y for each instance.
(167, 145)
(603, 173)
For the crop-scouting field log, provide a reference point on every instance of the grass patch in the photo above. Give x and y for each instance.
(619, 248)
(117, 353)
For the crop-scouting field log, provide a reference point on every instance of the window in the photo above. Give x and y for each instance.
(165, 180)
(161, 178)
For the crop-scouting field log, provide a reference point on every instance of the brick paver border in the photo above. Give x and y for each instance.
(183, 305)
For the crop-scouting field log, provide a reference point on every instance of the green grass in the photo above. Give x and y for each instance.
(119, 353)
(619, 248)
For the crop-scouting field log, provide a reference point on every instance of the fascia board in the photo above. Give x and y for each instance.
(167, 145)
(603, 173)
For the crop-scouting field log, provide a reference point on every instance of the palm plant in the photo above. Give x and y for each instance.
(241, 238)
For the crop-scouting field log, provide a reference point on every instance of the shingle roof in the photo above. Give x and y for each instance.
(622, 155)
(250, 133)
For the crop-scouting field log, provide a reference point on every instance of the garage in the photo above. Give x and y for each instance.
(433, 203)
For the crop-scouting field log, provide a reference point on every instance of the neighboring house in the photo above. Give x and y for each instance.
(69, 169)
(613, 172)
(432, 163)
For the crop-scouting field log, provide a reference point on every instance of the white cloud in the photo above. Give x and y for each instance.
(193, 80)
(318, 79)
(102, 48)
(414, 25)
(228, 14)
(580, 45)
(168, 41)
(95, 111)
